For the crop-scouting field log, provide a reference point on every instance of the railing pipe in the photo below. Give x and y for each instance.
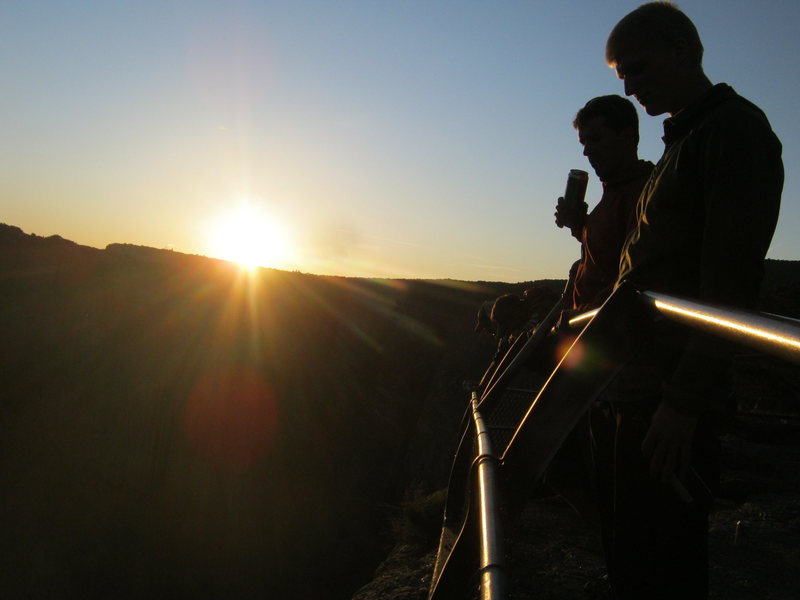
(511, 361)
(772, 334)
(778, 336)
(493, 582)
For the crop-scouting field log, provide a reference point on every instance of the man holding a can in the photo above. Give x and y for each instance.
(705, 221)
(608, 130)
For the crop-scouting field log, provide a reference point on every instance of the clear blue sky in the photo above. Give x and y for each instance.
(370, 138)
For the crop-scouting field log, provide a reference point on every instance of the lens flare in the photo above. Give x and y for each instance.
(231, 417)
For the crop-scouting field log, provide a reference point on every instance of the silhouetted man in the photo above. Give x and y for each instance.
(705, 221)
(608, 130)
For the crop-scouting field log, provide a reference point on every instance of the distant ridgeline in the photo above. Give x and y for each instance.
(10, 236)
(780, 288)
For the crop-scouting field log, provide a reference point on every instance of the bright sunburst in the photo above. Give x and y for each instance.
(250, 237)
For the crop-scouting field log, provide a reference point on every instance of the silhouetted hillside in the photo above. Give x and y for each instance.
(172, 426)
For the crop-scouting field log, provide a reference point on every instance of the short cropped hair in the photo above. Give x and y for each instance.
(662, 21)
(618, 113)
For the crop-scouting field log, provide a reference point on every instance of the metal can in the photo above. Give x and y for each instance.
(576, 188)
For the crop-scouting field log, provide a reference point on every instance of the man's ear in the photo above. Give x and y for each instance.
(630, 135)
(681, 52)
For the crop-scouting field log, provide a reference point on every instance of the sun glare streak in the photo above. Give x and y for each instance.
(386, 306)
(248, 236)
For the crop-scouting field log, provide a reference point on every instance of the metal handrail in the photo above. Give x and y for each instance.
(512, 360)
(492, 559)
(772, 334)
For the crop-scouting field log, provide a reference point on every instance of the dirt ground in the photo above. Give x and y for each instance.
(754, 533)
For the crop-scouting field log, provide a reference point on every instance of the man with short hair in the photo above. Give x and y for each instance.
(705, 221)
(608, 130)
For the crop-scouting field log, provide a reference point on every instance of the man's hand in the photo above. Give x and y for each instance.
(564, 318)
(571, 217)
(668, 443)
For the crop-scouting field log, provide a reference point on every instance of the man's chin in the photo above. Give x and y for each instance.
(653, 109)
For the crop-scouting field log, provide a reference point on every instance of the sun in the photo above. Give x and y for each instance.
(250, 237)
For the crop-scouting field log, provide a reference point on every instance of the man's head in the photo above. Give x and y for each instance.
(608, 130)
(509, 314)
(657, 51)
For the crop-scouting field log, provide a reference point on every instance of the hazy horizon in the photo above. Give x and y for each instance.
(372, 139)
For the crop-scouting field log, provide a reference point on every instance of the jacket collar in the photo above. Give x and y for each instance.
(681, 122)
(641, 169)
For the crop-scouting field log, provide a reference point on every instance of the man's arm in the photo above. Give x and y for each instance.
(742, 180)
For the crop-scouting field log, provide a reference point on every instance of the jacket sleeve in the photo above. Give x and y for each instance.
(742, 180)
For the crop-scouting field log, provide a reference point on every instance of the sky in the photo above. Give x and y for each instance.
(370, 138)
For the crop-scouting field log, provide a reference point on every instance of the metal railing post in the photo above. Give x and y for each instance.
(492, 557)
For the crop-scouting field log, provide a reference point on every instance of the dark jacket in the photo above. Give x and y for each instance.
(603, 236)
(705, 222)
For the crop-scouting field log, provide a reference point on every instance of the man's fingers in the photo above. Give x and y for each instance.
(683, 460)
(559, 212)
(665, 458)
(649, 443)
(680, 489)
(662, 462)
(668, 443)
(653, 450)
(656, 461)
(669, 464)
